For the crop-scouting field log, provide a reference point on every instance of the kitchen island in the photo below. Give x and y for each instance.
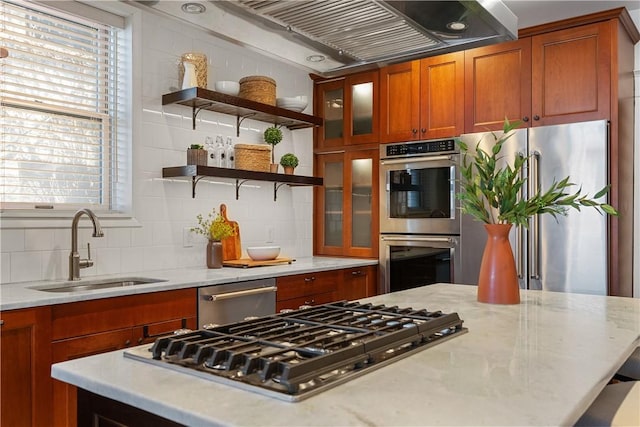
(541, 362)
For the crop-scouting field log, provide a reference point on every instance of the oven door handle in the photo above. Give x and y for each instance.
(415, 160)
(418, 239)
(238, 294)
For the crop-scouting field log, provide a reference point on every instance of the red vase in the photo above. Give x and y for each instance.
(498, 280)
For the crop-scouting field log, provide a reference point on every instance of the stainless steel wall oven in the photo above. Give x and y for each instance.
(419, 214)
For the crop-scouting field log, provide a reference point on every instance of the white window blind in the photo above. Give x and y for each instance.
(59, 109)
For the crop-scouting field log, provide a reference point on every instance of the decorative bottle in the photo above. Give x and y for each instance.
(220, 152)
(230, 154)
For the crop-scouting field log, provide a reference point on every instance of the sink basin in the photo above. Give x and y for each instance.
(91, 285)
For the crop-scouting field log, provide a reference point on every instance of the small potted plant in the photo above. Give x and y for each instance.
(197, 155)
(214, 228)
(273, 136)
(289, 162)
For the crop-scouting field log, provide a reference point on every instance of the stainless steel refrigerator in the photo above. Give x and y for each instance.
(567, 254)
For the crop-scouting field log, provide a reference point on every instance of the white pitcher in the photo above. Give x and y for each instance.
(190, 79)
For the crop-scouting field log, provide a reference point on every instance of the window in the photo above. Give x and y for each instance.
(61, 110)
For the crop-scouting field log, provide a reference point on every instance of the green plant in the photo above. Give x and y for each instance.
(214, 227)
(273, 136)
(196, 146)
(491, 194)
(289, 159)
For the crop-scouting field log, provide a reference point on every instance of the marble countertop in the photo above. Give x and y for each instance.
(26, 294)
(541, 362)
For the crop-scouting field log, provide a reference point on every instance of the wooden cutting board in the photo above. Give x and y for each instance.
(248, 262)
(231, 248)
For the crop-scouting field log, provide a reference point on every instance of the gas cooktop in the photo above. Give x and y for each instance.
(300, 353)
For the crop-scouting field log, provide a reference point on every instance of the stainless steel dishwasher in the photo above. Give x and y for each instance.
(233, 302)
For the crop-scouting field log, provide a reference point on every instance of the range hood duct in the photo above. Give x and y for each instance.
(367, 34)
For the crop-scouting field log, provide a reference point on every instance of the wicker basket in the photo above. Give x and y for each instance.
(253, 157)
(258, 88)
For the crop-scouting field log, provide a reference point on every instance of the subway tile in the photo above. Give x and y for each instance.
(12, 240)
(26, 266)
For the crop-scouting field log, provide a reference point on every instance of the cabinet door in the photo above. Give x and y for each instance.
(329, 104)
(346, 217)
(497, 85)
(442, 96)
(400, 102)
(64, 395)
(358, 283)
(361, 108)
(571, 75)
(25, 362)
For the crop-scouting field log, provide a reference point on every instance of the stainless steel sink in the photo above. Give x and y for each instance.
(91, 285)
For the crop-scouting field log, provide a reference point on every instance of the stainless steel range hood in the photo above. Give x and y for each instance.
(364, 34)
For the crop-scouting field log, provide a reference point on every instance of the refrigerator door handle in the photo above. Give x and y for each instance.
(520, 235)
(534, 188)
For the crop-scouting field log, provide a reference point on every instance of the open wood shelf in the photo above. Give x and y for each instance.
(203, 99)
(196, 173)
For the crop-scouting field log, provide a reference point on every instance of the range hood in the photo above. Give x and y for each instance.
(370, 33)
(351, 35)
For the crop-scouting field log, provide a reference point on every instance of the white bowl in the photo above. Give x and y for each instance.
(227, 87)
(263, 253)
(294, 103)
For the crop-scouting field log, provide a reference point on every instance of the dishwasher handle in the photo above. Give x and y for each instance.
(238, 294)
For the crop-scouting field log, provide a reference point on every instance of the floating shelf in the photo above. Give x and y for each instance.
(203, 99)
(196, 173)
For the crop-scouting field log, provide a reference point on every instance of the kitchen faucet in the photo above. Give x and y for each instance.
(75, 263)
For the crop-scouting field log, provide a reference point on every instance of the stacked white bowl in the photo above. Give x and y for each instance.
(294, 103)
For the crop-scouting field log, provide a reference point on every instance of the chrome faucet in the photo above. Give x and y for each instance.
(75, 263)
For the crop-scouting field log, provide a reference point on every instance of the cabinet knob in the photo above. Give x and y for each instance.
(424, 130)
(414, 131)
(140, 340)
(309, 279)
(1, 322)
(127, 343)
(525, 119)
(536, 117)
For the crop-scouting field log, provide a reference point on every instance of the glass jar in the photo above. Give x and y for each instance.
(199, 61)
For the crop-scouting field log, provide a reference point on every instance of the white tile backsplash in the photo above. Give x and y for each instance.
(165, 207)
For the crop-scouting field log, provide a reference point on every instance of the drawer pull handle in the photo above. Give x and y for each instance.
(238, 294)
(357, 273)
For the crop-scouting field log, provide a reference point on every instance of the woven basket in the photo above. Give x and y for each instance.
(253, 157)
(258, 88)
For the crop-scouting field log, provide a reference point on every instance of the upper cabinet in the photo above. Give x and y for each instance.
(497, 85)
(349, 109)
(422, 99)
(558, 77)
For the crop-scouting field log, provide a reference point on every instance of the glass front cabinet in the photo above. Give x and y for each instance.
(346, 207)
(348, 107)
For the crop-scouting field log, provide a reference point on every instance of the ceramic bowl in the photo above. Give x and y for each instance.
(263, 253)
(227, 87)
(294, 103)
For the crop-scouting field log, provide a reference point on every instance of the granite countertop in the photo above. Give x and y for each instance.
(23, 294)
(541, 362)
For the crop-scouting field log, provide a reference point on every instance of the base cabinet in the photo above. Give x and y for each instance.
(91, 327)
(25, 387)
(325, 287)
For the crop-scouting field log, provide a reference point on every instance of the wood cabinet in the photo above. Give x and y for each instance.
(349, 108)
(422, 99)
(25, 360)
(326, 286)
(307, 289)
(90, 327)
(346, 208)
(497, 85)
(562, 76)
(359, 282)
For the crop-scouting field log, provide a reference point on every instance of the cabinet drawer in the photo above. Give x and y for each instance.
(302, 285)
(148, 333)
(74, 348)
(295, 303)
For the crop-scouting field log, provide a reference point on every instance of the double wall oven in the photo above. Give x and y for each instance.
(419, 215)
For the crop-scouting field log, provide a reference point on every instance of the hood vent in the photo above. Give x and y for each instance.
(363, 34)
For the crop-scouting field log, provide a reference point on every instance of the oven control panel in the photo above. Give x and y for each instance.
(419, 148)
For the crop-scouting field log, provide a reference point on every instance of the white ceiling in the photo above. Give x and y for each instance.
(276, 44)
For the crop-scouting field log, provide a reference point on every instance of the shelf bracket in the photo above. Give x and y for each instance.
(196, 111)
(194, 182)
(276, 187)
(239, 120)
(239, 183)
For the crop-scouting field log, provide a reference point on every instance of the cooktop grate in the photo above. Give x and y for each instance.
(296, 354)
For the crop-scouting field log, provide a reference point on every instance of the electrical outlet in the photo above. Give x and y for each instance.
(187, 237)
(270, 233)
